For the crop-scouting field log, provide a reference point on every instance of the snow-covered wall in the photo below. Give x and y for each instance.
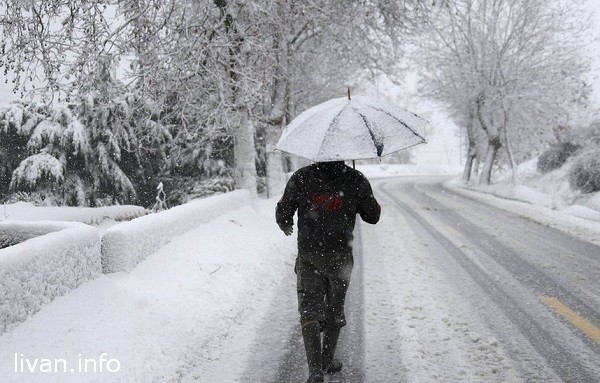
(36, 271)
(126, 244)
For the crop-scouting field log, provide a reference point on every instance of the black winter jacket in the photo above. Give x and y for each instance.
(327, 195)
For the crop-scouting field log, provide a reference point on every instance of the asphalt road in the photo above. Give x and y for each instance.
(515, 262)
(536, 289)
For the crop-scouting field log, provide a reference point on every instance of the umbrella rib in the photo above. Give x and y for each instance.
(400, 121)
(332, 122)
(378, 145)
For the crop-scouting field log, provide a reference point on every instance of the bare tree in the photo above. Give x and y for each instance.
(518, 65)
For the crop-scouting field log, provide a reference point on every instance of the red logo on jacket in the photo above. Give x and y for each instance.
(326, 201)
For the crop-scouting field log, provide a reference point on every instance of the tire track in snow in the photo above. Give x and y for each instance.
(513, 260)
(566, 365)
(440, 336)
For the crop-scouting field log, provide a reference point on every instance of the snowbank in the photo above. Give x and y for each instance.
(36, 271)
(551, 190)
(24, 211)
(126, 244)
(576, 220)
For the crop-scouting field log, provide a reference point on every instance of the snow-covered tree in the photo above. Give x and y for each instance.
(37, 169)
(513, 69)
(78, 155)
(210, 75)
(17, 122)
(317, 49)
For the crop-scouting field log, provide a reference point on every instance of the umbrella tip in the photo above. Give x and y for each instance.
(349, 98)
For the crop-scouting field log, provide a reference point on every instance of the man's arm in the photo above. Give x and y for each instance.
(368, 207)
(287, 205)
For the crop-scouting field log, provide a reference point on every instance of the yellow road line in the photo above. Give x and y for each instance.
(455, 232)
(576, 320)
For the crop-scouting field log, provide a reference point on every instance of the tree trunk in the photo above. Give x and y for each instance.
(244, 153)
(276, 179)
(243, 133)
(490, 156)
(511, 158)
(494, 142)
(472, 150)
(471, 154)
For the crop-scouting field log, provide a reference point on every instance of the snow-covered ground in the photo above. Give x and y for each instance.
(174, 310)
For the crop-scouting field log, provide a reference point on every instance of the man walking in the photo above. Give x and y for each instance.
(327, 196)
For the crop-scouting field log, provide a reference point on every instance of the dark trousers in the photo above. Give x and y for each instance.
(322, 284)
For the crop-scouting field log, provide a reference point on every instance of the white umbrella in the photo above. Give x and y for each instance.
(351, 129)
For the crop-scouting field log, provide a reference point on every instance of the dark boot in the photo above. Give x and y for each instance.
(330, 338)
(334, 366)
(311, 333)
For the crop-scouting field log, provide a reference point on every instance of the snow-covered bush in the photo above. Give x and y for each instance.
(180, 190)
(555, 156)
(584, 175)
(35, 272)
(160, 203)
(126, 244)
(212, 186)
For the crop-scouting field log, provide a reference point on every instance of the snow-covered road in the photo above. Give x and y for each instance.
(449, 289)
(509, 299)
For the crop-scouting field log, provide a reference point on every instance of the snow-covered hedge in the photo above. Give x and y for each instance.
(126, 244)
(36, 271)
(15, 232)
(23, 211)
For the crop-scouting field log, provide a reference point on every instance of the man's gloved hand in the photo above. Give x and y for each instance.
(288, 230)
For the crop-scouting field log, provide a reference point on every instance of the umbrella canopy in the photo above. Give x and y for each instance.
(351, 129)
